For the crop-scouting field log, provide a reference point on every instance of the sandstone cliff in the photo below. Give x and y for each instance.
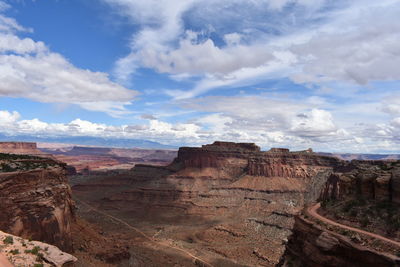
(237, 205)
(313, 246)
(35, 200)
(243, 200)
(370, 180)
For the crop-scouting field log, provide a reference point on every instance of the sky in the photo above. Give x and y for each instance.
(281, 73)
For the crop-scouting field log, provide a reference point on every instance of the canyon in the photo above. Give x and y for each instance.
(231, 203)
(97, 159)
(222, 204)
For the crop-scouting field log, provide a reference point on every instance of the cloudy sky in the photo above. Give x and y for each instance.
(287, 73)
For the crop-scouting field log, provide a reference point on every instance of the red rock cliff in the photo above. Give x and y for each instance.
(37, 203)
(247, 158)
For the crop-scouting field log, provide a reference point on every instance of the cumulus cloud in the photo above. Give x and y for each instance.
(315, 123)
(359, 46)
(310, 41)
(29, 69)
(8, 118)
(166, 45)
(11, 123)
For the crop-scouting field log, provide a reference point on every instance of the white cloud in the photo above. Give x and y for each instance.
(28, 69)
(315, 123)
(7, 118)
(311, 41)
(11, 123)
(391, 105)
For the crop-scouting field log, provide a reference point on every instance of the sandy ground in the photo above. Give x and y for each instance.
(4, 261)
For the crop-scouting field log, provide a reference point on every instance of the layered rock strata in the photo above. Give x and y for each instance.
(370, 180)
(233, 203)
(240, 201)
(36, 203)
(313, 246)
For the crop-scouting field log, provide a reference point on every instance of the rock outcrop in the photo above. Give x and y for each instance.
(22, 252)
(35, 200)
(242, 199)
(370, 180)
(236, 204)
(313, 246)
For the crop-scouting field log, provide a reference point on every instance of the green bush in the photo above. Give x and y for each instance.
(34, 251)
(14, 251)
(353, 213)
(364, 221)
(8, 240)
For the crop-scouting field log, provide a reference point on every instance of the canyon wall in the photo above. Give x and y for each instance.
(370, 180)
(233, 203)
(36, 203)
(313, 246)
(241, 200)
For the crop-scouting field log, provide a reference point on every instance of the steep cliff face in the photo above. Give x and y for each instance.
(371, 180)
(36, 203)
(313, 246)
(360, 194)
(241, 201)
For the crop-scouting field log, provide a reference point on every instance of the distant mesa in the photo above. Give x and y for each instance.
(21, 148)
(219, 145)
(279, 150)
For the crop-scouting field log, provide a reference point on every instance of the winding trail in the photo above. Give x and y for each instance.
(151, 239)
(312, 211)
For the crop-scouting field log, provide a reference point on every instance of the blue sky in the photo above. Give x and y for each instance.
(288, 73)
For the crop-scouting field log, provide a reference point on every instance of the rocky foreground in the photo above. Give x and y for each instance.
(17, 251)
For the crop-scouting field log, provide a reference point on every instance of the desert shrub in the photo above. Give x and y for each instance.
(34, 251)
(348, 206)
(14, 251)
(38, 265)
(353, 213)
(364, 221)
(8, 240)
(6, 168)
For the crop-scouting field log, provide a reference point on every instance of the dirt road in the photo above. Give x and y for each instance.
(312, 211)
(163, 243)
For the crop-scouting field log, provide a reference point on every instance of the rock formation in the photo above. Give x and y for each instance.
(35, 199)
(313, 246)
(370, 180)
(236, 204)
(246, 198)
(22, 252)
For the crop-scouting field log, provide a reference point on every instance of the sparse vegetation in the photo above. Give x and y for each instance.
(374, 216)
(34, 251)
(364, 221)
(12, 163)
(14, 251)
(8, 240)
